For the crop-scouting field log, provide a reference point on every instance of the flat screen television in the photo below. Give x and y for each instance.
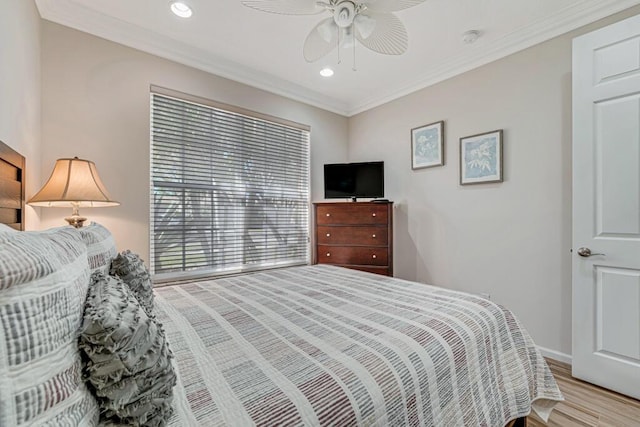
(354, 180)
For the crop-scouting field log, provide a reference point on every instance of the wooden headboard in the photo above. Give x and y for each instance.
(12, 173)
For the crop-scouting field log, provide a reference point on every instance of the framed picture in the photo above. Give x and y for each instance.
(427, 146)
(481, 158)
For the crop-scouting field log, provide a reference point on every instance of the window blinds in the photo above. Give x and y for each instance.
(229, 192)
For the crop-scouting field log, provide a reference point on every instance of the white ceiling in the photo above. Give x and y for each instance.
(265, 50)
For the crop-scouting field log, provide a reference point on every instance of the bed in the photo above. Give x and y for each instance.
(324, 345)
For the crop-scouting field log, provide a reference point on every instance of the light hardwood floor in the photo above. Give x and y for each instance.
(588, 405)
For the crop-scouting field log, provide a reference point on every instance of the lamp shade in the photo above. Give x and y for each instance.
(73, 182)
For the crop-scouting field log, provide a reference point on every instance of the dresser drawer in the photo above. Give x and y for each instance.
(352, 213)
(360, 255)
(357, 235)
(384, 270)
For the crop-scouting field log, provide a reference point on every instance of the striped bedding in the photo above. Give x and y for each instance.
(323, 345)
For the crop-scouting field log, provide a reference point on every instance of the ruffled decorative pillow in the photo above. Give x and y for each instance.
(131, 269)
(128, 357)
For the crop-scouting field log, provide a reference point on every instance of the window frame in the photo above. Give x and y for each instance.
(176, 276)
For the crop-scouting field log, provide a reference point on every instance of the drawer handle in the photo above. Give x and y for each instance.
(328, 214)
(373, 214)
(328, 253)
(374, 256)
(373, 235)
(328, 234)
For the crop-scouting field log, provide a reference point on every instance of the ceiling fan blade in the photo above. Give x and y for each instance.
(390, 5)
(388, 36)
(321, 40)
(286, 7)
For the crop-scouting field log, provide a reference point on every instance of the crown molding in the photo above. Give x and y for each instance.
(565, 20)
(109, 28)
(92, 22)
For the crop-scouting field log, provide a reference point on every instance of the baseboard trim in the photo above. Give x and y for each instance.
(556, 355)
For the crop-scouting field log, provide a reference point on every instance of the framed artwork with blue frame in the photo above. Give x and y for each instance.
(427, 146)
(481, 158)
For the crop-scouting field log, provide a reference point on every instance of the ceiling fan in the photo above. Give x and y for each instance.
(370, 22)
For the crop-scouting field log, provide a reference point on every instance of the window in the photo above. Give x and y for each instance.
(229, 189)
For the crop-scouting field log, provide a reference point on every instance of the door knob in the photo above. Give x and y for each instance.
(586, 252)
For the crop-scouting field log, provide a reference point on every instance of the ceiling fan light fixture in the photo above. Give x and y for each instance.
(326, 31)
(347, 40)
(326, 72)
(365, 25)
(181, 9)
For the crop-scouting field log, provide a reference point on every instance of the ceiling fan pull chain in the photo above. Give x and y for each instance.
(339, 46)
(353, 67)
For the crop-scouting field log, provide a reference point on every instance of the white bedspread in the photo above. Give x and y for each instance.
(322, 345)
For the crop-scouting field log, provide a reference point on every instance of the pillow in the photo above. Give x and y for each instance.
(101, 247)
(128, 358)
(4, 228)
(131, 269)
(44, 278)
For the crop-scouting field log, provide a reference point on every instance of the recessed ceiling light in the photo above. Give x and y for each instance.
(181, 9)
(326, 72)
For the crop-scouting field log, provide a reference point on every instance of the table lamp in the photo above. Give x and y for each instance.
(73, 182)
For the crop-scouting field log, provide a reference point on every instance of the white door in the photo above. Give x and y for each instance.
(606, 207)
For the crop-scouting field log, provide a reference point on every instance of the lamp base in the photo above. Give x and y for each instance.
(75, 220)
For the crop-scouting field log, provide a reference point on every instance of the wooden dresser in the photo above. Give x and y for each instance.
(356, 235)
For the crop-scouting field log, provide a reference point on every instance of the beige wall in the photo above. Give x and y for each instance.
(96, 106)
(511, 240)
(20, 88)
